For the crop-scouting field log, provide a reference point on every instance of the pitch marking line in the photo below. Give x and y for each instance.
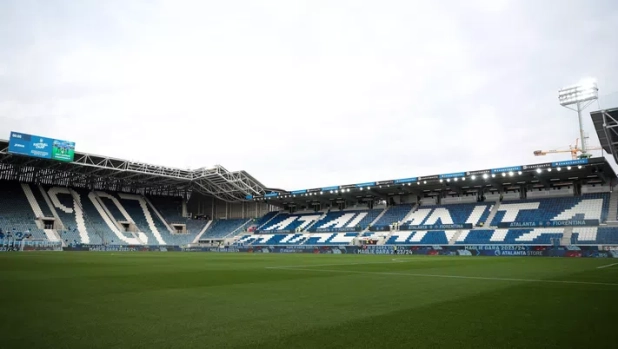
(607, 266)
(446, 276)
(335, 265)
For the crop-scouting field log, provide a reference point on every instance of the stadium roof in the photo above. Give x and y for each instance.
(104, 172)
(541, 175)
(606, 126)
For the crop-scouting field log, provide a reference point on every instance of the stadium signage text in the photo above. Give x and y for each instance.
(436, 226)
(537, 166)
(506, 169)
(570, 163)
(453, 175)
(536, 224)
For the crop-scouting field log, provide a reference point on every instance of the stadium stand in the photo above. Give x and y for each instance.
(284, 222)
(16, 216)
(335, 221)
(588, 206)
(222, 228)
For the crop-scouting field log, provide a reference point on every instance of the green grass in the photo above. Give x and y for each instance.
(209, 300)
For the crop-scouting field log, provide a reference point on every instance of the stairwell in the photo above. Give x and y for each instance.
(612, 216)
(235, 231)
(79, 217)
(268, 221)
(58, 225)
(407, 216)
(492, 214)
(151, 224)
(376, 219)
(454, 238)
(197, 238)
(316, 221)
(566, 236)
(52, 235)
(159, 215)
(131, 241)
(32, 200)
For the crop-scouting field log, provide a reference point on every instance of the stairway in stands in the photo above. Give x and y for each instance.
(613, 206)
(492, 214)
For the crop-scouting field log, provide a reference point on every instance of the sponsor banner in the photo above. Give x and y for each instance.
(271, 195)
(314, 190)
(544, 224)
(506, 169)
(41, 147)
(368, 184)
(405, 180)
(299, 192)
(427, 178)
(330, 188)
(347, 186)
(536, 166)
(475, 173)
(570, 163)
(121, 248)
(436, 226)
(385, 182)
(249, 197)
(452, 175)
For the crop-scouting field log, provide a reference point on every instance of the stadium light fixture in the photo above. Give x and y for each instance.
(578, 98)
(519, 172)
(485, 176)
(569, 168)
(538, 170)
(473, 177)
(549, 170)
(559, 169)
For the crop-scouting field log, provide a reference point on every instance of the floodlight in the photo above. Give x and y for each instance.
(485, 176)
(538, 170)
(578, 98)
(559, 169)
(473, 177)
(518, 172)
(569, 168)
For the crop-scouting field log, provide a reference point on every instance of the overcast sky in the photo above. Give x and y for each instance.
(309, 93)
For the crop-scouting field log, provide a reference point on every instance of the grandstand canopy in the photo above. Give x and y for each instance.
(606, 126)
(541, 175)
(107, 173)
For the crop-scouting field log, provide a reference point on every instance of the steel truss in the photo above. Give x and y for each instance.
(606, 125)
(106, 173)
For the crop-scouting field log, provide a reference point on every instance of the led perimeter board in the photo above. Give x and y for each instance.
(41, 147)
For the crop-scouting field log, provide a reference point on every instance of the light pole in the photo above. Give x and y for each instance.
(578, 98)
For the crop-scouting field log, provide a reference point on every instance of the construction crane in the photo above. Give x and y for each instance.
(573, 150)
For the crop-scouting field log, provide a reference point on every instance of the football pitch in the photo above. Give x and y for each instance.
(239, 300)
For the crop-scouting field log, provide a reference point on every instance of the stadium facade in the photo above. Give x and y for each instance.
(71, 199)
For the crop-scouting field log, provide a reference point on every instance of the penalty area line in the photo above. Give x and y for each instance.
(450, 276)
(607, 266)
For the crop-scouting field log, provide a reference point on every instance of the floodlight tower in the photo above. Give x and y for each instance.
(578, 98)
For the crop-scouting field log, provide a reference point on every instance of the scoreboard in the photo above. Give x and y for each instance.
(41, 147)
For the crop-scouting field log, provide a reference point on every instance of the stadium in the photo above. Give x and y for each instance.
(325, 267)
(308, 174)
